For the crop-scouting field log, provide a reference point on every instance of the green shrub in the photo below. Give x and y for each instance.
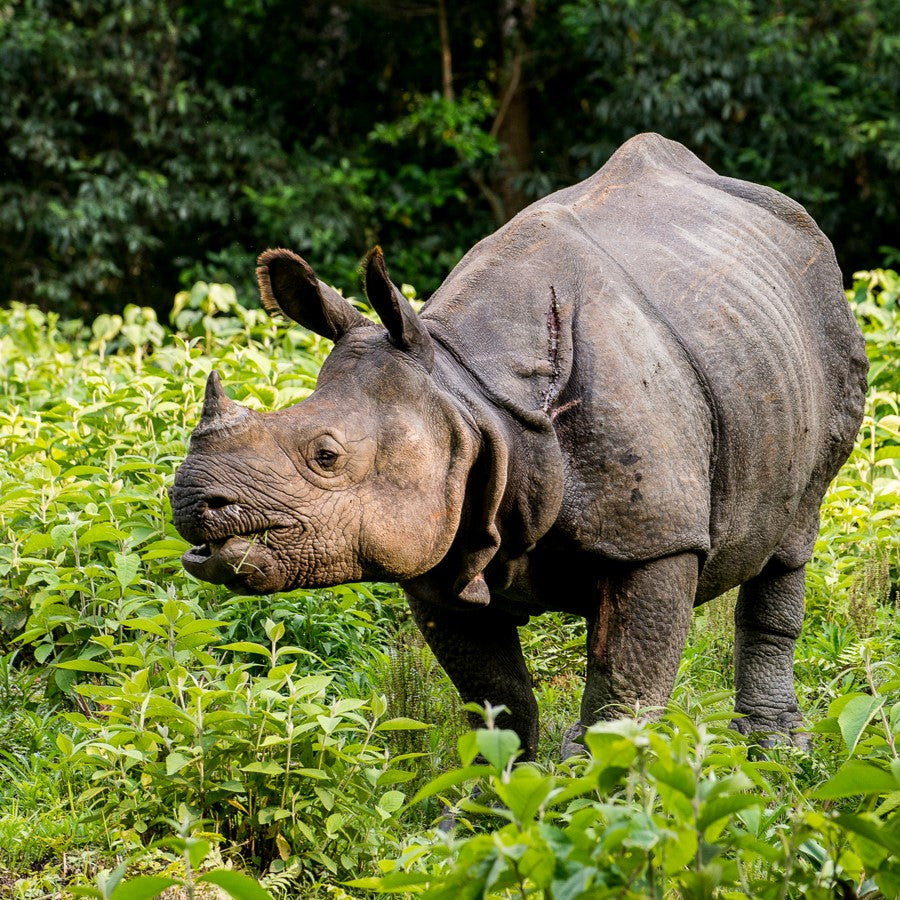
(276, 764)
(859, 512)
(681, 808)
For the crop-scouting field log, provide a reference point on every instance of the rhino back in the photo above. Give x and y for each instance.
(731, 295)
(747, 281)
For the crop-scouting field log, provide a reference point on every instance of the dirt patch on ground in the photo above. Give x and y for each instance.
(7, 882)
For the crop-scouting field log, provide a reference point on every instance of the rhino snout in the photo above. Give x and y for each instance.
(199, 517)
(236, 561)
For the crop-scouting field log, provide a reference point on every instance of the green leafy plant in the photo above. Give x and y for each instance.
(860, 509)
(191, 852)
(144, 716)
(680, 808)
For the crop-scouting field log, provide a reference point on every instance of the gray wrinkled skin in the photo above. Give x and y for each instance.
(626, 401)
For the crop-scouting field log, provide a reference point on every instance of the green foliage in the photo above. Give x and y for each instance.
(174, 694)
(681, 808)
(276, 763)
(39, 818)
(859, 537)
(156, 732)
(754, 88)
(146, 140)
(190, 853)
(116, 156)
(417, 689)
(338, 222)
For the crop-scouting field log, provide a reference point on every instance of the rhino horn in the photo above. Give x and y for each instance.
(219, 412)
(405, 329)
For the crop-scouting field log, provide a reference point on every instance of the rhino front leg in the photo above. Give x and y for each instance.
(480, 651)
(635, 640)
(768, 619)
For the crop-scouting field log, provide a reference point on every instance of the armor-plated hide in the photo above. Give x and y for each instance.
(626, 401)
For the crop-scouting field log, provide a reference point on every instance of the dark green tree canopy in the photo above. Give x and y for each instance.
(147, 142)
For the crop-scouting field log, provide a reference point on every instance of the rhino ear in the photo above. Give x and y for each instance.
(288, 286)
(395, 311)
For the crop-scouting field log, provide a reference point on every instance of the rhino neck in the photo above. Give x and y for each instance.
(506, 311)
(513, 490)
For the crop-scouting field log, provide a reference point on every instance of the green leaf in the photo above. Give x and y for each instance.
(198, 626)
(525, 791)
(175, 762)
(856, 777)
(39, 541)
(449, 779)
(43, 652)
(677, 776)
(126, 567)
(395, 776)
(467, 747)
(169, 548)
(78, 471)
(236, 885)
(270, 814)
(891, 451)
(144, 887)
(498, 746)
(394, 882)
(282, 672)
(401, 723)
(391, 801)
(264, 768)
(855, 716)
(247, 647)
(378, 706)
(312, 685)
(85, 665)
(101, 532)
(720, 807)
(144, 624)
(197, 849)
(878, 832)
(311, 773)
(60, 534)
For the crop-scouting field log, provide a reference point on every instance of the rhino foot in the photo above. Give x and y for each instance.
(573, 742)
(774, 732)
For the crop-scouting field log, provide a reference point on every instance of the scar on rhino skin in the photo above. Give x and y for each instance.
(552, 350)
(552, 391)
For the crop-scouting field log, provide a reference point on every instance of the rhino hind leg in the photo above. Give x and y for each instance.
(635, 641)
(768, 619)
(479, 649)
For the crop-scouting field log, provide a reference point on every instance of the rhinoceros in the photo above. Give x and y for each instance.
(625, 402)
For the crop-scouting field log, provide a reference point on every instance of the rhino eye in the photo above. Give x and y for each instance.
(325, 455)
(326, 458)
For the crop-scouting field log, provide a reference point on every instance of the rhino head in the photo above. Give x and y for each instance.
(363, 480)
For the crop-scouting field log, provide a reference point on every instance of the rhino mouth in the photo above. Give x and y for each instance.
(244, 561)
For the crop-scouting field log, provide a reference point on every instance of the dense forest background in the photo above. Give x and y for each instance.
(145, 144)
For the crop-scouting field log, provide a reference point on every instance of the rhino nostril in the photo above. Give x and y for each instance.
(217, 502)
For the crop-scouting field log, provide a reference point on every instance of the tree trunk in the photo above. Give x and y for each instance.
(446, 56)
(512, 126)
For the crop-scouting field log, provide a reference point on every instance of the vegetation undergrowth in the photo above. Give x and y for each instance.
(159, 734)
